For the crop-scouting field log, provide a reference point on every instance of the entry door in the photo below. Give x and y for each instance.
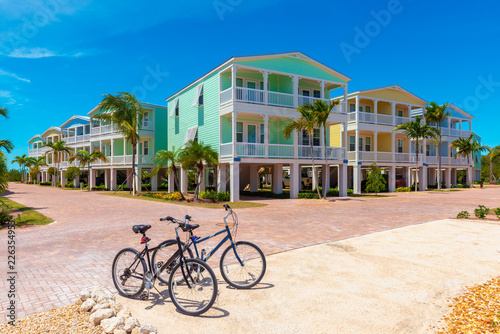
(252, 139)
(307, 93)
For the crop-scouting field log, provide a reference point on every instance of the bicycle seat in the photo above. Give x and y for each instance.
(188, 227)
(140, 228)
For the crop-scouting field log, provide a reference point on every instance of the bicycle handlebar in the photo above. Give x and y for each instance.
(167, 218)
(227, 207)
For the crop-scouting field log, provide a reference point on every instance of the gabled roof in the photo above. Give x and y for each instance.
(83, 118)
(451, 105)
(393, 87)
(35, 136)
(295, 54)
(55, 128)
(143, 104)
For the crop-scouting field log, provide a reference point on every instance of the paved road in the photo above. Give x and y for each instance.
(56, 261)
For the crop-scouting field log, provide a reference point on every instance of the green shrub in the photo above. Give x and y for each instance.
(164, 185)
(266, 194)
(100, 188)
(58, 184)
(224, 196)
(308, 195)
(122, 187)
(72, 173)
(481, 212)
(146, 186)
(497, 212)
(69, 185)
(403, 190)
(209, 194)
(5, 214)
(52, 171)
(45, 183)
(173, 196)
(460, 186)
(463, 215)
(412, 188)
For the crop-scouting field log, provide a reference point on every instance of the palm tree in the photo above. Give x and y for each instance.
(466, 147)
(435, 113)
(4, 143)
(37, 163)
(123, 110)
(58, 149)
(167, 158)
(195, 155)
(30, 161)
(322, 111)
(85, 159)
(307, 123)
(494, 155)
(415, 130)
(21, 161)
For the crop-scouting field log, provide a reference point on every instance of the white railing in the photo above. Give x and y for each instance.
(454, 132)
(95, 131)
(384, 156)
(431, 159)
(35, 151)
(351, 155)
(125, 160)
(310, 100)
(65, 164)
(465, 133)
(352, 116)
(384, 119)
(250, 150)
(403, 157)
(249, 95)
(335, 153)
(281, 151)
(367, 156)
(226, 150)
(105, 129)
(458, 161)
(445, 132)
(280, 99)
(305, 151)
(402, 120)
(413, 158)
(118, 160)
(366, 117)
(226, 96)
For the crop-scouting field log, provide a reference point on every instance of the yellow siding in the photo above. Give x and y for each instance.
(335, 136)
(393, 95)
(384, 142)
(51, 133)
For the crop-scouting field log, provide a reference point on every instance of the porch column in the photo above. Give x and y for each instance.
(447, 177)
(422, 178)
(38, 178)
(356, 115)
(112, 153)
(233, 81)
(233, 133)
(295, 144)
(322, 89)
(44, 176)
(432, 176)
(154, 182)
(295, 80)
(345, 144)
(346, 102)
(76, 181)
(221, 178)
(171, 182)
(393, 146)
(453, 176)
(202, 180)
(254, 178)
(322, 141)
(393, 113)
(356, 148)
(277, 170)
(91, 178)
(124, 150)
(234, 187)
(424, 151)
(129, 178)
(294, 180)
(138, 179)
(357, 178)
(375, 143)
(113, 177)
(408, 176)
(342, 182)
(392, 179)
(375, 107)
(265, 75)
(266, 135)
(325, 178)
(184, 180)
(460, 128)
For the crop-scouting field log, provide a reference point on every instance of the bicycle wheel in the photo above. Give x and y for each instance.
(198, 294)
(128, 272)
(168, 248)
(250, 273)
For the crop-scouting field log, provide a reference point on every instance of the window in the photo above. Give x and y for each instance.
(368, 144)
(400, 113)
(146, 147)
(317, 94)
(305, 138)
(361, 108)
(400, 145)
(360, 144)
(352, 107)
(316, 137)
(428, 150)
(239, 82)
(198, 96)
(239, 132)
(262, 133)
(368, 109)
(174, 110)
(352, 143)
(145, 120)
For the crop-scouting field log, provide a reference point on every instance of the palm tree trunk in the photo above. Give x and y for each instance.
(491, 171)
(198, 182)
(88, 177)
(416, 165)
(439, 162)
(174, 175)
(469, 171)
(315, 176)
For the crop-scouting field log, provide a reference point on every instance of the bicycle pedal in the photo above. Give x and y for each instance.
(144, 296)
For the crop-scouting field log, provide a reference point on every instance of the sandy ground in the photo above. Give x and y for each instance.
(398, 281)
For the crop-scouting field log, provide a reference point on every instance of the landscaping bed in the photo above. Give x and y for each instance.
(23, 215)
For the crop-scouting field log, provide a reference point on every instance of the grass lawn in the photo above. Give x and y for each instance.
(28, 216)
(234, 205)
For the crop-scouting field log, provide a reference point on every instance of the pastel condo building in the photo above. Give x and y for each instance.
(240, 109)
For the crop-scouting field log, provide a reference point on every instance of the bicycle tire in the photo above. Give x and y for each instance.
(123, 262)
(196, 298)
(239, 276)
(168, 248)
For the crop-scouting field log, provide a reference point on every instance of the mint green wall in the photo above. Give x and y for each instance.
(280, 83)
(118, 147)
(161, 129)
(477, 156)
(283, 140)
(292, 65)
(206, 117)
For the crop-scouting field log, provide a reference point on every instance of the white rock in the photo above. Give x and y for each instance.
(116, 306)
(87, 305)
(100, 306)
(79, 302)
(109, 325)
(147, 329)
(124, 313)
(101, 314)
(135, 330)
(100, 296)
(130, 324)
(84, 295)
(119, 331)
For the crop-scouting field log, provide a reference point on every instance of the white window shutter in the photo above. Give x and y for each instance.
(196, 97)
(190, 135)
(171, 112)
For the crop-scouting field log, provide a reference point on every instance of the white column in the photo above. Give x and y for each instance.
(233, 122)
(342, 182)
(453, 176)
(392, 179)
(202, 180)
(422, 178)
(393, 146)
(44, 176)
(424, 151)
(357, 178)
(124, 149)
(63, 177)
(107, 178)
(345, 143)
(234, 186)
(154, 182)
(138, 179)
(322, 141)
(266, 135)
(277, 170)
(375, 107)
(357, 110)
(76, 181)
(447, 177)
(222, 177)
(265, 74)
(294, 180)
(322, 90)
(92, 178)
(408, 176)
(129, 178)
(375, 144)
(356, 148)
(113, 176)
(393, 113)
(254, 178)
(325, 178)
(112, 153)
(171, 182)
(295, 144)
(295, 80)
(233, 80)
(184, 180)
(432, 176)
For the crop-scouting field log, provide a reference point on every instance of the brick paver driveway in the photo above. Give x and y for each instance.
(56, 261)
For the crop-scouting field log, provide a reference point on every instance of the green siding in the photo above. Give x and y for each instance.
(161, 129)
(292, 65)
(118, 147)
(282, 138)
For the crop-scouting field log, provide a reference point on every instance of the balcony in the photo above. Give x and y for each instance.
(455, 132)
(253, 150)
(270, 98)
(77, 139)
(371, 156)
(382, 119)
(125, 160)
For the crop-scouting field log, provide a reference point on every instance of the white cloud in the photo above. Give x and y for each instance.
(35, 53)
(13, 75)
(5, 93)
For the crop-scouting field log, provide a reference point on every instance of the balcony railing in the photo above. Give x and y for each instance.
(254, 150)
(366, 117)
(77, 139)
(125, 160)
(455, 132)
(257, 96)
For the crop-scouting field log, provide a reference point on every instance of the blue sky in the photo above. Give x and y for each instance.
(57, 57)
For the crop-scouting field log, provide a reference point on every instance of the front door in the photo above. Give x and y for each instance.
(252, 139)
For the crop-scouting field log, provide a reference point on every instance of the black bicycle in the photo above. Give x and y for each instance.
(192, 283)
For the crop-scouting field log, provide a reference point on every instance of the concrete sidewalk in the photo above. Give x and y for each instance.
(397, 281)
